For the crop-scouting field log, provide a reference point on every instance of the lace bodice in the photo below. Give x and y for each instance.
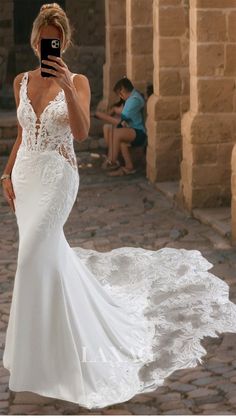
(52, 132)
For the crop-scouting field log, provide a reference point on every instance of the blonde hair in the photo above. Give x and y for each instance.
(51, 14)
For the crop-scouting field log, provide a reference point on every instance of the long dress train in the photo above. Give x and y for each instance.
(96, 328)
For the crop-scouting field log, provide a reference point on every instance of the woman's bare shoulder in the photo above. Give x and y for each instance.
(80, 77)
(18, 78)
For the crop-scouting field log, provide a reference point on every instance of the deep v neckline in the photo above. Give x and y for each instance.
(39, 118)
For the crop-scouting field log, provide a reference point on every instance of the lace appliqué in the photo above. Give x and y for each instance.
(180, 301)
(53, 132)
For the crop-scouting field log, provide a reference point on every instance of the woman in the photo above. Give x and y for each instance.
(111, 119)
(89, 327)
(130, 131)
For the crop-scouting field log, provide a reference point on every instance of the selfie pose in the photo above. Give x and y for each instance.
(93, 328)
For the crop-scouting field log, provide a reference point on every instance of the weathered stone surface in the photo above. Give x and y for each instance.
(210, 26)
(209, 60)
(170, 82)
(232, 26)
(208, 4)
(170, 52)
(171, 21)
(213, 95)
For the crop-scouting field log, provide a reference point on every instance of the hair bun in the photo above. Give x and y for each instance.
(54, 6)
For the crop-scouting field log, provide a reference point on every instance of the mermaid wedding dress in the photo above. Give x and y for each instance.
(96, 328)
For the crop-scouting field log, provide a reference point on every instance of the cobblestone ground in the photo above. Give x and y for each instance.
(129, 211)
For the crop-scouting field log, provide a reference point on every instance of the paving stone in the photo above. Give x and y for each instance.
(202, 392)
(21, 409)
(195, 375)
(27, 397)
(206, 380)
(4, 396)
(177, 412)
(4, 404)
(117, 412)
(171, 405)
(138, 409)
(227, 387)
(182, 387)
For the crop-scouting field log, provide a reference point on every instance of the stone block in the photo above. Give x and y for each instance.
(167, 109)
(210, 26)
(141, 67)
(212, 129)
(116, 42)
(141, 40)
(210, 174)
(185, 80)
(230, 57)
(156, 106)
(184, 104)
(187, 151)
(212, 95)
(116, 12)
(140, 12)
(169, 127)
(151, 156)
(232, 26)
(209, 60)
(170, 54)
(233, 158)
(214, 4)
(204, 154)
(169, 2)
(171, 21)
(233, 185)
(224, 153)
(184, 43)
(170, 82)
(208, 196)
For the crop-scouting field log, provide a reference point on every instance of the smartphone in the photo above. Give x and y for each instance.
(49, 47)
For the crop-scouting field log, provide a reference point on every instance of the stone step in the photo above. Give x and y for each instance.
(218, 218)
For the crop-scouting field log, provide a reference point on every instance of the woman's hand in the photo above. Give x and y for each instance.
(60, 71)
(8, 192)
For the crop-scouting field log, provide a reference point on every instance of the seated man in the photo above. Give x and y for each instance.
(130, 129)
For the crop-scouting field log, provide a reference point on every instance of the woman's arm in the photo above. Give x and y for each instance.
(12, 157)
(78, 96)
(107, 118)
(6, 183)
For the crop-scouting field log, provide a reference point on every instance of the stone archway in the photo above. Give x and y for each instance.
(171, 89)
(139, 41)
(115, 65)
(209, 127)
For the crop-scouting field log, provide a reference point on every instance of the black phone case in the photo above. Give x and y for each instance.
(49, 47)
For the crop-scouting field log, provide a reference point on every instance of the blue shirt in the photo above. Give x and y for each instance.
(132, 111)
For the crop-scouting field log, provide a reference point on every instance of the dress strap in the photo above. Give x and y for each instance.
(23, 82)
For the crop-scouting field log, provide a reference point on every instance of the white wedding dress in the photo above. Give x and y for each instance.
(96, 328)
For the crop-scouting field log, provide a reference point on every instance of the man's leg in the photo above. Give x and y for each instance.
(110, 143)
(106, 129)
(125, 151)
(121, 135)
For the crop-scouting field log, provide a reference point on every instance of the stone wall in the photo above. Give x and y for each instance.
(115, 65)
(139, 42)
(171, 89)
(86, 56)
(6, 43)
(209, 128)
